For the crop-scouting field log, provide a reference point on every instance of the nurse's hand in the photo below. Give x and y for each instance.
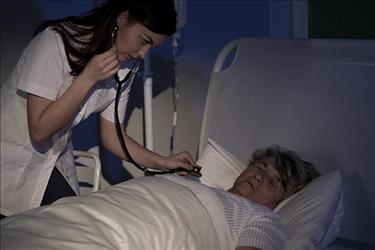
(101, 67)
(179, 160)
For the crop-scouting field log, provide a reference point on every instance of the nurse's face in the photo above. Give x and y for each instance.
(260, 182)
(133, 40)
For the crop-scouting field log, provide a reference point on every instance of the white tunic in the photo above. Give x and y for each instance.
(43, 70)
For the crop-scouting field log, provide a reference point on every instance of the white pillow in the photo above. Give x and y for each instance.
(312, 217)
(335, 227)
(219, 167)
(309, 214)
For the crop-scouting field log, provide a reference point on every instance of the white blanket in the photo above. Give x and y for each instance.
(129, 215)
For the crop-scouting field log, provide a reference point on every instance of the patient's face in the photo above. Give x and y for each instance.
(260, 182)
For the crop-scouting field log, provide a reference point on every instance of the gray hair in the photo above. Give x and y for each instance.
(294, 171)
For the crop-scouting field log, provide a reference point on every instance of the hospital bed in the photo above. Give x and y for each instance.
(89, 170)
(313, 96)
(316, 97)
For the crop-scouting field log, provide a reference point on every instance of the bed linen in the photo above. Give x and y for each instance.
(120, 217)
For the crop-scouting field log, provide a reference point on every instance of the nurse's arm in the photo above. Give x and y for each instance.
(46, 117)
(141, 155)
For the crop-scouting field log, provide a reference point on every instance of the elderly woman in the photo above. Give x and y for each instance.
(170, 212)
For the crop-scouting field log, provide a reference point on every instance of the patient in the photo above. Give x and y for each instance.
(170, 212)
(272, 175)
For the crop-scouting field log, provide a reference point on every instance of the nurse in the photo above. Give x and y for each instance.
(64, 75)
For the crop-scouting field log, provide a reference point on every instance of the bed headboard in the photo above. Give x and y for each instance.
(316, 97)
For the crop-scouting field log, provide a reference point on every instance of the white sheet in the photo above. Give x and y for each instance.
(130, 216)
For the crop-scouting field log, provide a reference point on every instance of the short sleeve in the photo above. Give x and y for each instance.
(264, 232)
(43, 66)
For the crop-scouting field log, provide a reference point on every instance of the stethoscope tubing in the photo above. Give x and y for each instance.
(120, 135)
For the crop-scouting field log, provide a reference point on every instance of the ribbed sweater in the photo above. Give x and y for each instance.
(238, 221)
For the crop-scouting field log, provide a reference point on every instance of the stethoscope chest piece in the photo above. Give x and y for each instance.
(196, 172)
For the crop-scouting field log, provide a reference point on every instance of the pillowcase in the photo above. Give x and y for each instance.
(312, 217)
(313, 214)
(219, 167)
(335, 227)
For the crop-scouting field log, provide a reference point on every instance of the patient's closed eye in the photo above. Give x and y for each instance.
(262, 167)
(274, 182)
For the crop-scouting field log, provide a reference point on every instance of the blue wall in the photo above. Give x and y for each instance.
(212, 24)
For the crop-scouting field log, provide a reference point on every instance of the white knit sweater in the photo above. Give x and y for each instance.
(238, 221)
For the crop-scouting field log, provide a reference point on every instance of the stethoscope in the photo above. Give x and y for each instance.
(194, 172)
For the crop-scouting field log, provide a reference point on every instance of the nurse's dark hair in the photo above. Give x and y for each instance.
(90, 33)
(295, 172)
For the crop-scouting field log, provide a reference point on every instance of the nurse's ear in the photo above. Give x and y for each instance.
(123, 19)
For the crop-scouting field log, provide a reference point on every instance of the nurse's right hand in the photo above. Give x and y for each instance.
(46, 117)
(101, 66)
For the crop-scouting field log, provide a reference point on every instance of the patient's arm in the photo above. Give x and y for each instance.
(247, 248)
